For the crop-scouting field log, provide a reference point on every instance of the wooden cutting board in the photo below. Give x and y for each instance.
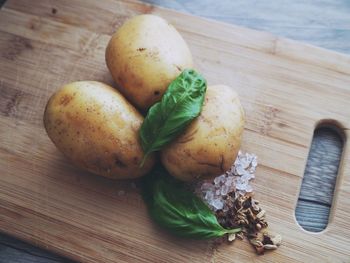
(286, 87)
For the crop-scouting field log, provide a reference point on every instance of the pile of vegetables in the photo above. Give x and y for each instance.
(195, 129)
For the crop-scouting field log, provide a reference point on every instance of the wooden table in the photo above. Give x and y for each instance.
(324, 24)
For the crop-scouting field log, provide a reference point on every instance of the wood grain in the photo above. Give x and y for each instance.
(323, 23)
(48, 202)
(316, 192)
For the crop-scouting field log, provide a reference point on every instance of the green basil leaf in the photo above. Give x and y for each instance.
(180, 104)
(179, 210)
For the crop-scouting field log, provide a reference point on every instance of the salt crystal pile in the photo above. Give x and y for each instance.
(237, 180)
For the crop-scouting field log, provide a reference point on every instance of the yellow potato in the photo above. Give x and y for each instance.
(210, 144)
(144, 56)
(97, 128)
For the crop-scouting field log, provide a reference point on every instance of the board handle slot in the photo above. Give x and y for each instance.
(318, 189)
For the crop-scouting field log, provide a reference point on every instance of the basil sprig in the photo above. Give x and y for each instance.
(180, 104)
(177, 209)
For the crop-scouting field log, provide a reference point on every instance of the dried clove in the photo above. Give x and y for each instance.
(245, 212)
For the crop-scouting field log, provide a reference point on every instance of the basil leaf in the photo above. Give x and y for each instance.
(178, 210)
(180, 104)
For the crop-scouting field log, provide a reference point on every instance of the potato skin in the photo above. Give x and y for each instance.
(97, 128)
(210, 144)
(144, 56)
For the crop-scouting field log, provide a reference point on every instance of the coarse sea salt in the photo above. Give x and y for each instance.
(236, 179)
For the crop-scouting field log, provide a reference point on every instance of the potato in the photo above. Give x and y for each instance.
(97, 128)
(144, 56)
(210, 144)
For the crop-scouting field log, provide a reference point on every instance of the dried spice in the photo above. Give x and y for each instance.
(264, 241)
(230, 196)
(246, 213)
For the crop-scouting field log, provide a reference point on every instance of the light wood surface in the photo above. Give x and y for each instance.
(286, 88)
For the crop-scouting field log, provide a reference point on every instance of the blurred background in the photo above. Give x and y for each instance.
(324, 23)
